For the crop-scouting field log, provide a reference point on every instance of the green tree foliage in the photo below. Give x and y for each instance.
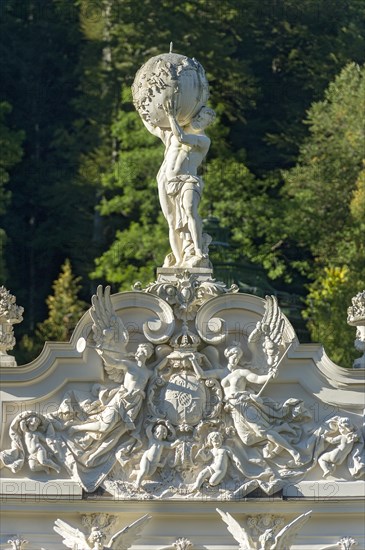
(243, 203)
(295, 49)
(86, 188)
(11, 152)
(326, 198)
(265, 62)
(64, 307)
(64, 311)
(49, 217)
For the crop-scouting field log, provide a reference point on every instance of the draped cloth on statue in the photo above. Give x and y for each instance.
(175, 189)
(253, 416)
(90, 456)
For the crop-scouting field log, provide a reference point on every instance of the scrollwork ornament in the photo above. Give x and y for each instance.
(186, 293)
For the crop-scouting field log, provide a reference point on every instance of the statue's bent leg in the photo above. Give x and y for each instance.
(97, 426)
(45, 461)
(144, 470)
(326, 464)
(217, 477)
(190, 202)
(280, 441)
(168, 211)
(203, 476)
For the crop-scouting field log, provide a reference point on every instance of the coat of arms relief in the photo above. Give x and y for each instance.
(184, 410)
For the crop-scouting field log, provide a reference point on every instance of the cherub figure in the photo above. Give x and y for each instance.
(36, 441)
(217, 469)
(33, 440)
(151, 458)
(252, 421)
(122, 540)
(270, 539)
(95, 538)
(343, 443)
(125, 401)
(121, 404)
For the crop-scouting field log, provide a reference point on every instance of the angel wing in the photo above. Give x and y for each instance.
(109, 331)
(264, 341)
(284, 539)
(110, 335)
(72, 538)
(122, 540)
(237, 532)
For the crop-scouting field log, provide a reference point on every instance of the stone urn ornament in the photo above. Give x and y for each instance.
(10, 314)
(356, 318)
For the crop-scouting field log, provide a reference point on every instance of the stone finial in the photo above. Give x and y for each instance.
(356, 312)
(10, 314)
(356, 318)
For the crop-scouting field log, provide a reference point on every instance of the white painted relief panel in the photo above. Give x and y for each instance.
(184, 392)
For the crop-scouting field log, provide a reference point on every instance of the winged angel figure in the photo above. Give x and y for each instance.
(122, 540)
(268, 540)
(257, 419)
(129, 370)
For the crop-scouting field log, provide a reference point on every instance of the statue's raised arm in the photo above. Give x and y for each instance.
(155, 130)
(111, 338)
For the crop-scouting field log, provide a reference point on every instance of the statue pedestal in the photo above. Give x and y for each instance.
(169, 274)
(7, 361)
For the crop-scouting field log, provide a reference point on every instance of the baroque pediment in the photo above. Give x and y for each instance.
(183, 390)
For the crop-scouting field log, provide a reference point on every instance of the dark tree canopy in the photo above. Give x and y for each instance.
(80, 168)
